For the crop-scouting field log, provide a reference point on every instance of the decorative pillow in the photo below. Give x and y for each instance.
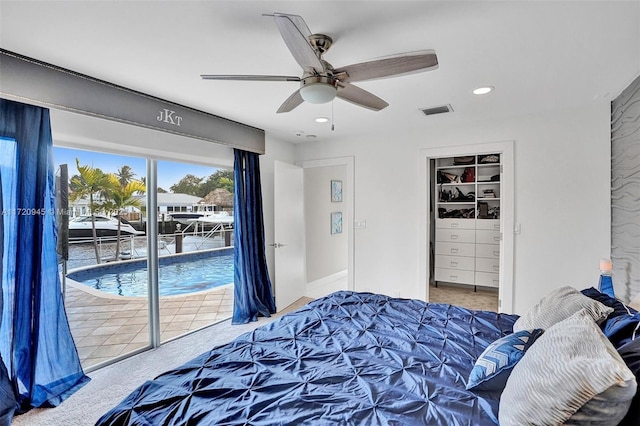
(571, 370)
(559, 305)
(494, 365)
(619, 308)
(631, 355)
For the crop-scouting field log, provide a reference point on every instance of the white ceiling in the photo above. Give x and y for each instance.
(539, 55)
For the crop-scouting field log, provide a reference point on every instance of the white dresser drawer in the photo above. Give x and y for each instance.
(487, 265)
(456, 223)
(493, 224)
(454, 276)
(455, 262)
(487, 237)
(456, 235)
(487, 279)
(487, 250)
(456, 249)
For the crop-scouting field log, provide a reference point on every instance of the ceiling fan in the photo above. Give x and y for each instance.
(320, 82)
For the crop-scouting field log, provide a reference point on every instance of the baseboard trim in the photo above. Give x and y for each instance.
(328, 284)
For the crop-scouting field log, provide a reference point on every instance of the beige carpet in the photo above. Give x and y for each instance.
(484, 298)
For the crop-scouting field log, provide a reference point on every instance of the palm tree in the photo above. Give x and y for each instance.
(90, 182)
(122, 196)
(125, 175)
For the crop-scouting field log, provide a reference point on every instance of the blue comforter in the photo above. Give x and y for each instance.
(349, 358)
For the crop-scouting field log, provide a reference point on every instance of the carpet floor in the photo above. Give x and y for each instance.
(482, 298)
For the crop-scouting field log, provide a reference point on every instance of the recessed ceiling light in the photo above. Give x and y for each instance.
(483, 90)
(321, 119)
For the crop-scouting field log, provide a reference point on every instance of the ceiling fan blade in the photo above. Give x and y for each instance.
(296, 20)
(360, 97)
(295, 33)
(250, 77)
(292, 101)
(423, 60)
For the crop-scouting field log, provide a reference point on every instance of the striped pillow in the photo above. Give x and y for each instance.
(571, 373)
(558, 305)
(493, 366)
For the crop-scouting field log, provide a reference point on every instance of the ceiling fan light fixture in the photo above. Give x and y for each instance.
(318, 93)
(321, 119)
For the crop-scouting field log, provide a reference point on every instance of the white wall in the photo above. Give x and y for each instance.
(562, 185)
(326, 253)
(562, 200)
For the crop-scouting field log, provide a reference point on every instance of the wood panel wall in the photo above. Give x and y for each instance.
(625, 192)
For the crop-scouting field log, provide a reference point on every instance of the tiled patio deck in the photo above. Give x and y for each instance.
(105, 326)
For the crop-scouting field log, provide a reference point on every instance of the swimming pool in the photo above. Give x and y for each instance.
(180, 274)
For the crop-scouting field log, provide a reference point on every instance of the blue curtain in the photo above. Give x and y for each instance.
(35, 340)
(8, 403)
(252, 287)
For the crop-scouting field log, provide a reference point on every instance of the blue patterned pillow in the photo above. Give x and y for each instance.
(492, 368)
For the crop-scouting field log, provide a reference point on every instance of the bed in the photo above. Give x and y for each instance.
(354, 358)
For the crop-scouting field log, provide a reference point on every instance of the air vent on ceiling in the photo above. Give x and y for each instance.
(437, 110)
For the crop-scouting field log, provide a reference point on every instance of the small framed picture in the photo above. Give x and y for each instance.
(336, 191)
(336, 223)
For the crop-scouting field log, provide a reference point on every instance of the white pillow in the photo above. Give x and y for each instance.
(559, 305)
(571, 373)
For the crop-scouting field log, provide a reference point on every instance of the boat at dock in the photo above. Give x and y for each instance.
(81, 227)
(220, 218)
(194, 212)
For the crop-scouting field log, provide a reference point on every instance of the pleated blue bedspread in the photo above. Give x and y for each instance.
(349, 358)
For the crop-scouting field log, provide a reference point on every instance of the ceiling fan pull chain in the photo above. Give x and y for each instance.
(332, 125)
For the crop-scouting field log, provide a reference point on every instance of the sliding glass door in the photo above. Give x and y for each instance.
(195, 253)
(102, 247)
(106, 249)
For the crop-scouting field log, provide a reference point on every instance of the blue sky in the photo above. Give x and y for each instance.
(169, 173)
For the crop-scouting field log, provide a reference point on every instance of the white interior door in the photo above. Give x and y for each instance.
(289, 232)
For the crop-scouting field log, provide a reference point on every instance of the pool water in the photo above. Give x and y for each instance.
(176, 275)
